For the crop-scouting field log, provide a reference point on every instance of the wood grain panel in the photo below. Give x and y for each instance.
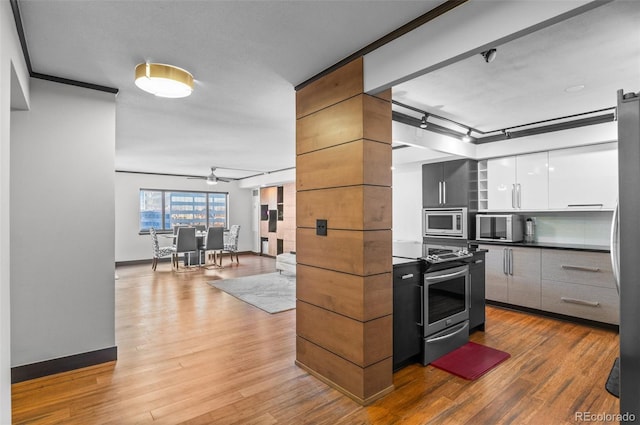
(358, 297)
(289, 201)
(359, 117)
(377, 164)
(339, 85)
(377, 119)
(362, 343)
(268, 196)
(351, 207)
(384, 95)
(273, 244)
(264, 228)
(361, 384)
(350, 164)
(289, 245)
(348, 251)
(286, 229)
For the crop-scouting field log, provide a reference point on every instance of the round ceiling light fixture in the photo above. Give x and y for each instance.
(164, 80)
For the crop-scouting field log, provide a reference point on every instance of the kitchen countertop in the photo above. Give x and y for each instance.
(549, 245)
(409, 251)
(400, 260)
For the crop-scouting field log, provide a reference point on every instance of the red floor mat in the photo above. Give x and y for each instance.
(471, 361)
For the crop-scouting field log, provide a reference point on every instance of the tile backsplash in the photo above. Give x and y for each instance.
(586, 228)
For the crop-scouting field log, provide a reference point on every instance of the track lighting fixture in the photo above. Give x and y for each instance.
(423, 122)
(489, 55)
(521, 130)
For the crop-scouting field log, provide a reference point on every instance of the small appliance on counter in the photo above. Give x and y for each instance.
(499, 227)
(529, 230)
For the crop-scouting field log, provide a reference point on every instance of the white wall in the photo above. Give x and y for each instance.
(14, 88)
(131, 246)
(407, 202)
(62, 223)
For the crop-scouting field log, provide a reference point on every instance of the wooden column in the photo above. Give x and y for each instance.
(344, 279)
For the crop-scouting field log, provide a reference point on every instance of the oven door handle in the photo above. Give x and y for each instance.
(461, 327)
(445, 276)
(421, 323)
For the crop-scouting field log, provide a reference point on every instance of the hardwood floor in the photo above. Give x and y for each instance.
(189, 353)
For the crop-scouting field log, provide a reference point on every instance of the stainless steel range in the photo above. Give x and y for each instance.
(446, 300)
(445, 295)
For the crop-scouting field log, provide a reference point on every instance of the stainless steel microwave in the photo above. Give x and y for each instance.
(444, 223)
(499, 227)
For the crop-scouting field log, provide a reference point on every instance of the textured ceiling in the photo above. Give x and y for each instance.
(247, 57)
(526, 82)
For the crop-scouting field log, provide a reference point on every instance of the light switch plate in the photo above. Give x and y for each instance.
(321, 227)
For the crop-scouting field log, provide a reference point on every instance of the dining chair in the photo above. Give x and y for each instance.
(175, 232)
(214, 242)
(186, 244)
(157, 251)
(231, 243)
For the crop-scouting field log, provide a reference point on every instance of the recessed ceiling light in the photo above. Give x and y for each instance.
(164, 80)
(575, 89)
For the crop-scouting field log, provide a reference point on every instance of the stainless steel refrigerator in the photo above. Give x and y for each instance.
(628, 253)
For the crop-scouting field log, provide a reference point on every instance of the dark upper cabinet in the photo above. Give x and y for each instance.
(449, 184)
(407, 307)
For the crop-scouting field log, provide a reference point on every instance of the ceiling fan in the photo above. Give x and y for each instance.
(212, 178)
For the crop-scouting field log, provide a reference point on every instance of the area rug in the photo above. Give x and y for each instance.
(271, 292)
(471, 361)
(613, 382)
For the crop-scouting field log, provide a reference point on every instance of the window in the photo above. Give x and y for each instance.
(164, 209)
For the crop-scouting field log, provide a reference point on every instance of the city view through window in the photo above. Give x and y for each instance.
(164, 209)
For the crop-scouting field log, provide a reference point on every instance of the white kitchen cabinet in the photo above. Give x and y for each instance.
(518, 182)
(513, 275)
(585, 177)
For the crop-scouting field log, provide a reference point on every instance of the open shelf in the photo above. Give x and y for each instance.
(483, 185)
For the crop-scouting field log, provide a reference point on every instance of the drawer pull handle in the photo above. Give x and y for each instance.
(582, 268)
(580, 302)
(407, 276)
(459, 329)
(585, 205)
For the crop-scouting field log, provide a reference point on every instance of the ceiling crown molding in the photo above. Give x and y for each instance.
(25, 51)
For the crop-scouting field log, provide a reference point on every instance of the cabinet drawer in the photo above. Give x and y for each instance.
(587, 302)
(407, 273)
(587, 268)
